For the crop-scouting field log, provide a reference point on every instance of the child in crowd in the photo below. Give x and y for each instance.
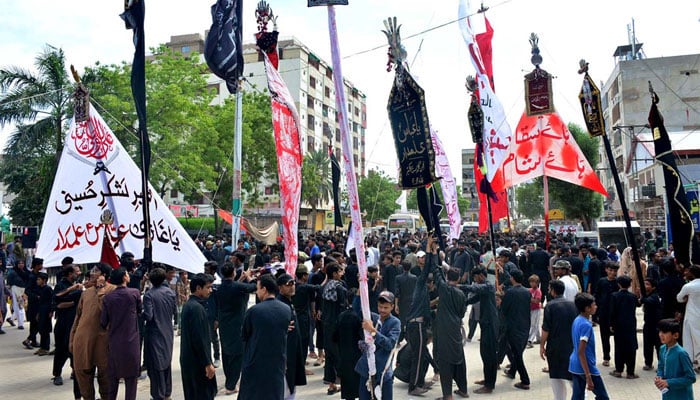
(604, 289)
(651, 304)
(623, 324)
(582, 362)
(675, 376)
(45, 297)
(535, 310)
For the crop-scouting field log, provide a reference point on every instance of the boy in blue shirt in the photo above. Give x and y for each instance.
(582, 362)
(675, 376)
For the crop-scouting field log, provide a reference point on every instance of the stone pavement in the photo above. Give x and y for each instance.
(25, 376)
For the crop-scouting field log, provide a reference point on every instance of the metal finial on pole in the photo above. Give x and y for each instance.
(397, 53)
(536, 58)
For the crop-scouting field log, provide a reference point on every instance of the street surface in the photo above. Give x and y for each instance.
(26, 376)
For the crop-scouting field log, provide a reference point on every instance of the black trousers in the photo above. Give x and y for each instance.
(161, 383)
(517, 347)
(330, 368)
(472, 327)
(32, 314)
(232, 369)
(214, 335)
(489, 353)
(605, 338)
(129, 388)
(625, 355)
(456, 372)
(418, 339)
(652, 343)
(61, 335)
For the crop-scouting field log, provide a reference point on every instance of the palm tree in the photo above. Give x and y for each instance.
(38, 105)
(317, 183)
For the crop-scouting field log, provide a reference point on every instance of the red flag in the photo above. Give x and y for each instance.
(499, 204)
(109, 256)
(483, 39)
(543, 145)
(285, 123)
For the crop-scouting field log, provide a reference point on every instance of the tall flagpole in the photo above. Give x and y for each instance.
(237, 206)
(351, 180)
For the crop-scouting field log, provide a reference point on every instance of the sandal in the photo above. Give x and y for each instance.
(632, 376)
(606, 363)
(332, 390)
(616, 374)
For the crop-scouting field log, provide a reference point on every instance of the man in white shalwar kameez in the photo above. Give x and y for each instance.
(690, 293)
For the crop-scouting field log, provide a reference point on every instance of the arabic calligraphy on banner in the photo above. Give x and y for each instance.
(410, 127)
(544, 146)
(591, 106)
(95, 174)
(538, 92)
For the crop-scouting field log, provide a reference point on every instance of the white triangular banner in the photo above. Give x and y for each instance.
(96, 174)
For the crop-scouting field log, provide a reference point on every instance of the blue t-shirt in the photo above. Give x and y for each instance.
(582, 329)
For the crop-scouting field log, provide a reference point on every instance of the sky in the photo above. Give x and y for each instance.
(89, 31)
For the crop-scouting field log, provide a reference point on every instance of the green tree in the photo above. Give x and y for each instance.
(181, 127)
(378, 194)
(316, 181)
(577, 201)
(530, 199)
(38, 104)
(259, 160)
(462, 202)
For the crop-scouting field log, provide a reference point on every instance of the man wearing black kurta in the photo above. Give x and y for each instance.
(405, 285)
(488, 321)
(334, 301)
(295, 374)
(447, 332)
(120, 312)
(66, 296)
(556, 345)
(265, 328)
(159, 307)
(516, 312)
(197, 367)
(416, 320)
(231, 303)
(303, 299)
(623, 323)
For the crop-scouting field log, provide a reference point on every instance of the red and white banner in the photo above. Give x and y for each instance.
(448, 186)
(497, 133)
(96, 175)
(285, 122)
(543, 145)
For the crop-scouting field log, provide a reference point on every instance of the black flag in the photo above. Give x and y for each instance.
(223, 48)
(678, 205)
(430, 206)
(133, 17)
(335, 173)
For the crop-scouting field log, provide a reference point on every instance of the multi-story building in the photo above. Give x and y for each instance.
(310, 82)
(469, 189)
(626, 102)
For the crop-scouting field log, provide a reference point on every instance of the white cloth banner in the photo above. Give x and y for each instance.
(448, 186)
(96, 174)
(402, 201)
(497, 132)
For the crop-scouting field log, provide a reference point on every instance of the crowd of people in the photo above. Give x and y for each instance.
(115, 325)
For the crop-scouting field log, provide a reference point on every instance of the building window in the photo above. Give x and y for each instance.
(337, 154)
(310, 121)
(337, 134)
(327, 91)
(327, 131)
(357, 112)
(281, 53)
(310, 143)
(312, 82)
(269, 191)
(310, 102)
(173, 194)
(616, 113)
(329, 73)
(186, 49)
(260, 57)
(354, 143)
(355, 127)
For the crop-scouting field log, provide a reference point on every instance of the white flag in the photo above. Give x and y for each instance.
(95, 175)
(401, 201)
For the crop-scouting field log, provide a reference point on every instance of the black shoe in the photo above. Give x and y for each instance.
(27, 344)
(2, 332)
(57, 380)
(11, 322)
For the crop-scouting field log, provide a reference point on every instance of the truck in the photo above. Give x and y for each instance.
(610, 232)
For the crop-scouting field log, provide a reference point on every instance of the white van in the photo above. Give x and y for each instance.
(405, 221)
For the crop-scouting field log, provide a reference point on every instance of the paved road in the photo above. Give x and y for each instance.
(23, 375)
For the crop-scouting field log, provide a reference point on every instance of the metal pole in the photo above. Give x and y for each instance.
(237, 206)
(625, 213)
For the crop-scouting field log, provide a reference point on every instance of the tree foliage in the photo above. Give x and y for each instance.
(316, 179)
(530, 199)
(38, 104)
(378, 194)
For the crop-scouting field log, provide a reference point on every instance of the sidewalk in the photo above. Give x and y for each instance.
(24, 375)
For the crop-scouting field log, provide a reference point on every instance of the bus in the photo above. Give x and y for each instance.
(405, 221)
